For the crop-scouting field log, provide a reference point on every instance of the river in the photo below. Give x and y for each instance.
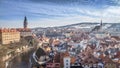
(21, 61)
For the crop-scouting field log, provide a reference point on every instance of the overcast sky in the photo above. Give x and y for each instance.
(48, 13)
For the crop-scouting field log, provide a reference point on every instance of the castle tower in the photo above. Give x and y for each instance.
(25, 22)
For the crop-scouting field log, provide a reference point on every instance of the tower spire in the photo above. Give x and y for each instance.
(101, 23)
(25, 22)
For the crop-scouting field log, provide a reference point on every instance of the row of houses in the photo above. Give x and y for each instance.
(12, 35)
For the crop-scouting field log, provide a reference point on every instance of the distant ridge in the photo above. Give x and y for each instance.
(77, 24)
(87, 23)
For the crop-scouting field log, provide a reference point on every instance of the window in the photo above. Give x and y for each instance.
(66, 63)
(66, 60)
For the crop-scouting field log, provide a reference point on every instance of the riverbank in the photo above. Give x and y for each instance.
(21, 60)
(8, 52)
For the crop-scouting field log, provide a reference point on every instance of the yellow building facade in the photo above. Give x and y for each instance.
(8, 36)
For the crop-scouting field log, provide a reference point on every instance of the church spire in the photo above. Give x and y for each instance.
(25, 22)
(101, 23)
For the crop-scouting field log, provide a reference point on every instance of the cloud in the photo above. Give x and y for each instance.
(50, 12)
(114, 10)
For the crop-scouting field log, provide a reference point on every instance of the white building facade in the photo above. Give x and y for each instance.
(66, 62)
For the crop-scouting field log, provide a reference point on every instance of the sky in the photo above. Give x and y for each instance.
(49, 13)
